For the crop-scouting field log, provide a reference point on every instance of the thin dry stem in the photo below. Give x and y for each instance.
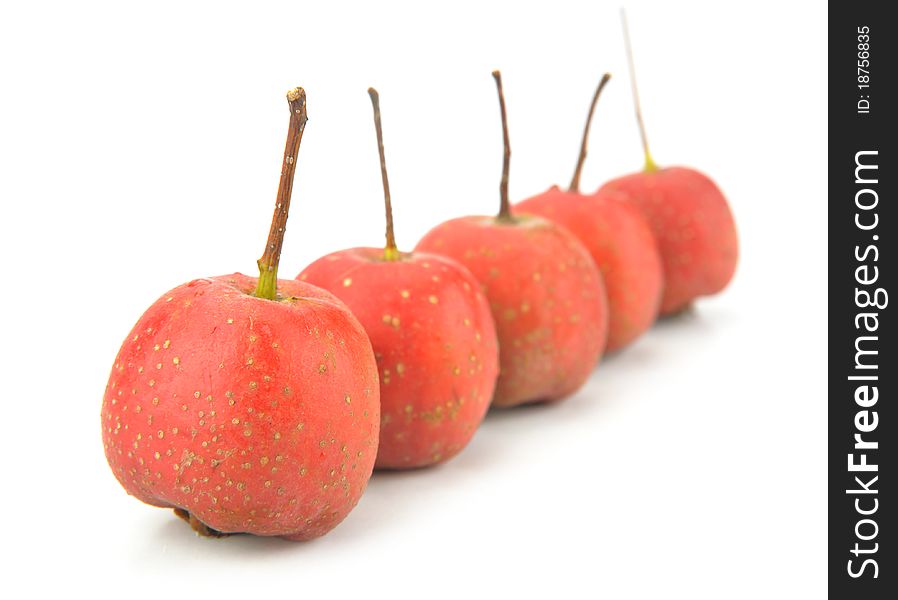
(390, 251)
(504, 206)
(575, 180)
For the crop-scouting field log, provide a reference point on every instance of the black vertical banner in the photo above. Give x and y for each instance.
(863, 370)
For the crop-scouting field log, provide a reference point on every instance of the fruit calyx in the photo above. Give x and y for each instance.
(575, 180)
(391, 252)
(268, 264)
(505, 205)
(198, 526)
(650, 164)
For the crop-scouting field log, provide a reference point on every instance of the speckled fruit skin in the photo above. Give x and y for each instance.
(694, 228)
(435, 345)
(622, 246)
(254, 415)
(546, 296)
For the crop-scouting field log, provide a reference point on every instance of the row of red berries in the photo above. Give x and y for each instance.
(262, 405)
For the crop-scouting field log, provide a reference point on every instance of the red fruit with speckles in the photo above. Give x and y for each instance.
(253, 415)
(690, 217)
(694, 228)
(433, 338)
(546, 296)
(247, 404)
(435, 345)
(622, 246)
(619, 241)
(545, 293)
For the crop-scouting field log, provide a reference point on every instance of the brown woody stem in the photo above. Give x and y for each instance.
(505, 206)
(575, 180)
(390, 250)
(268, 264)
(650, 164)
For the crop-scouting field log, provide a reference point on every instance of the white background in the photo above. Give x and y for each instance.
(141, 148)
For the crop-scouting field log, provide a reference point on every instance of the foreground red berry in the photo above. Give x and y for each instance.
(247, 405)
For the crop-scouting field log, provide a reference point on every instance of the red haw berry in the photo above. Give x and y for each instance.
(433, 337)
(247, 404)
(545, 292)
